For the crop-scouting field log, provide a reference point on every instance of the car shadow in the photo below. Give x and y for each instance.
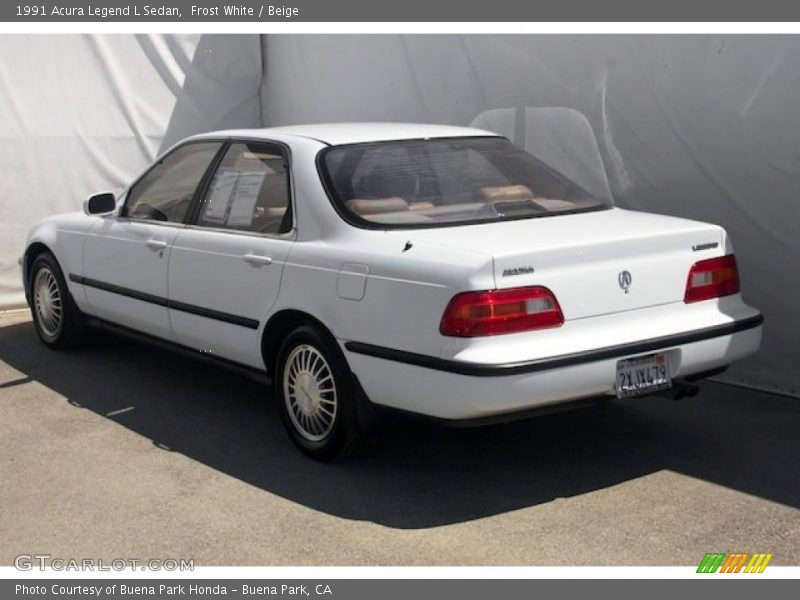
(418, 474)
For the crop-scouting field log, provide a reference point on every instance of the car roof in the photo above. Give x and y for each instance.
(335, 134)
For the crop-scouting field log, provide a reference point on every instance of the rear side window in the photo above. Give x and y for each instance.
(249, 191)
(166, 191)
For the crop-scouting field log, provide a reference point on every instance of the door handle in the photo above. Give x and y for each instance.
(155, 244)
(257, 259)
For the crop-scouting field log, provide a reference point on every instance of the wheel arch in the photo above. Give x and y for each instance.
(31, 252)
(281, 324)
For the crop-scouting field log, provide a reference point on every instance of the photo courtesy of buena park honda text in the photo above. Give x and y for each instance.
(345, 299)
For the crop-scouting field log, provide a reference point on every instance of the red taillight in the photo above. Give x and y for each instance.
(495, 312)
(712, 278)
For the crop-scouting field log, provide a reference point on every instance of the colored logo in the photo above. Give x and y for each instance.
(735, 562)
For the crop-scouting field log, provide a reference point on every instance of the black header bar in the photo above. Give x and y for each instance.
(255, 11)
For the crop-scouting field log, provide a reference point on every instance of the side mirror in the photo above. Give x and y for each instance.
(100, 204)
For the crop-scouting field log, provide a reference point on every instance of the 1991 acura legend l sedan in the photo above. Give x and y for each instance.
(437, 270)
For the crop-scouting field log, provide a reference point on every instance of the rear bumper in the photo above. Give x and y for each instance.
(452, 389)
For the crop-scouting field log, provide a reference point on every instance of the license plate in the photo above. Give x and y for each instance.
(643, 375)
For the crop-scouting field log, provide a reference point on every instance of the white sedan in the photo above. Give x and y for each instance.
(431, 269)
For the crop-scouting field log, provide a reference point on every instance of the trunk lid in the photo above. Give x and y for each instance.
(595, 263)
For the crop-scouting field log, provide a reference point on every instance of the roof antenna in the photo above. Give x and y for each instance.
(408, 246)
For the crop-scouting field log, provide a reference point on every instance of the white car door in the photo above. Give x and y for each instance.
(225, 269)
(126, 255)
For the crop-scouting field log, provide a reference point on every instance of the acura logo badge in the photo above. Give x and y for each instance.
(625, 279)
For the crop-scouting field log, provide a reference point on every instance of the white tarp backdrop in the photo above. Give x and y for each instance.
(87, 113)
(704, 127)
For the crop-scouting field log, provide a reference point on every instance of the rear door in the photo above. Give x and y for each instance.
(126, 256)
(225, 268)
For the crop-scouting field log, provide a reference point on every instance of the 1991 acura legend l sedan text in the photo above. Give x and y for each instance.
(432, 269)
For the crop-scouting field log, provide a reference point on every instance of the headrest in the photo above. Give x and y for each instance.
(362, 206)
(507, 193)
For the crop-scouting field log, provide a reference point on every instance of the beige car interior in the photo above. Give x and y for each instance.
(271, 207)
(378, 208)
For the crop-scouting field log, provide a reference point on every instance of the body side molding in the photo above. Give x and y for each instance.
(173, 304)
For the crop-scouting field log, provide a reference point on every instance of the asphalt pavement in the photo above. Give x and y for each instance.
(121, 449)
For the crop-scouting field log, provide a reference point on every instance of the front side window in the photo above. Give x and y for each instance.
(447, 181)
(166, 191)
(249, 191)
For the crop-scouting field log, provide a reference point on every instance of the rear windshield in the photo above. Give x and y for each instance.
(420, 183)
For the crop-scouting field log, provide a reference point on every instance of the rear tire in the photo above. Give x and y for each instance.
(317, 395)
(58, 322)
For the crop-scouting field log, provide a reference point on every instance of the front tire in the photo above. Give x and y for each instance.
(58, 322)
(317, 395)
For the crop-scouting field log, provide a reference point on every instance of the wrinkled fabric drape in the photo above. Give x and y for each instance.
(84, 113)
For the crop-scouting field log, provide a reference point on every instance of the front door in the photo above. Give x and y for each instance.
(126, 255)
